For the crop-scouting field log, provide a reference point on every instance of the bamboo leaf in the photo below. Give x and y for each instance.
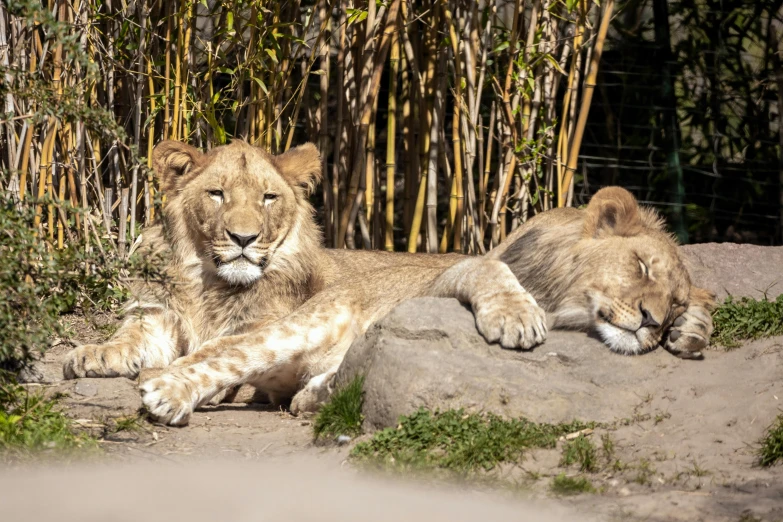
(502, 47)
(261, 84)
(551, 59)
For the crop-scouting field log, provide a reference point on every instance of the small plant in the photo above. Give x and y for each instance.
(40, 283)
(564, 485)
(342, 415)
(32, 422)
(644, 473)
(580, 451)
(131, 423)
(747, 319)
(771, 450)
(698, 471)
(607, 445)
(457, 442)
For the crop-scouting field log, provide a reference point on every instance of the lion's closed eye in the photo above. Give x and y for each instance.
(645, 270)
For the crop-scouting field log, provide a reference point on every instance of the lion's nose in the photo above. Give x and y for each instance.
(647, 319)
(241, 239)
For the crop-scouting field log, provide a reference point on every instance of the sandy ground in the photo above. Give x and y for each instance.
(688, 453)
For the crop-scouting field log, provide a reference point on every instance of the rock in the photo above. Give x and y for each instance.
(428, 353)
(736, 269)
(86, 389)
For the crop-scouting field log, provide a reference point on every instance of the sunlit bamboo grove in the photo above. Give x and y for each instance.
(442, 124)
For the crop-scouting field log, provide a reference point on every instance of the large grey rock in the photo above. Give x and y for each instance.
(428, 353)
(739, 270)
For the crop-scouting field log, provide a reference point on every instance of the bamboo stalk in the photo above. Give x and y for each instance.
(432, 165)
(456, 218)
(149, 186)
(374, 86)
(45, 170)
(391, 132)
(323, 126)
(184, 119)
(123, 225)
(167, 123)
(426, 99)
(142, 9)
(178, 59)
(589, 84)
(340, 164)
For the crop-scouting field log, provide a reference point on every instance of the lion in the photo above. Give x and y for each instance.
(257, 300)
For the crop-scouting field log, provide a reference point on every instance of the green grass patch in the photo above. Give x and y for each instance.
(342, 415)
(457, 442)
(580, 451)
(30, 423)
(771, 450)
(746, 319)
(564, 485)
(130, 424)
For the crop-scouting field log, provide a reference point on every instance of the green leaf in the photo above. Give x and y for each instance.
(261, 84)
(503, 46)
(272, 55)
(356, 15)
(554, 63)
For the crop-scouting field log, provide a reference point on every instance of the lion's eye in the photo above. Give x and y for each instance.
(645, 270)
(270, 196)
(217, 195)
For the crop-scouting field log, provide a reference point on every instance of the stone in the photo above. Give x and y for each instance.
(736, 269)
(86, 388)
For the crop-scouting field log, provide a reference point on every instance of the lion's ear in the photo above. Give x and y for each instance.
(172, 161)
(301, 167)
(613, 211)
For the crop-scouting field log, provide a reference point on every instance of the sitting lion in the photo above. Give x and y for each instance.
(256, 299)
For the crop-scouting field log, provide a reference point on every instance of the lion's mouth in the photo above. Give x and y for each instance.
(241, 269)
(623, 340)
(261, 263)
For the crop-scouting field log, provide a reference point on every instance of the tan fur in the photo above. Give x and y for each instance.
(281, 315)
(599, 268)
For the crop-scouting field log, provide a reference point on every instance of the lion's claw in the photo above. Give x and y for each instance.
(168, 398)
(690, 334)
(512, 318)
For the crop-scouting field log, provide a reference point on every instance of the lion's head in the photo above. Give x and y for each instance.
(238, 205)
(610, 267)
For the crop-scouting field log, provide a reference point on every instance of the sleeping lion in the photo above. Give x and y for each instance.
(257, 300)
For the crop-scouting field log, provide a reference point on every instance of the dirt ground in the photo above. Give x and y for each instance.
(688, 453)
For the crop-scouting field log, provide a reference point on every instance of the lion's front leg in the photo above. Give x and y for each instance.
(148, 339)
(691, 332)
(505, 312)
(274, 358)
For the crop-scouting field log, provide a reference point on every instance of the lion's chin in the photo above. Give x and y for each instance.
(619, 340)
(240, 272)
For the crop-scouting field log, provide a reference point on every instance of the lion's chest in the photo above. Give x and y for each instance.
(217, 313)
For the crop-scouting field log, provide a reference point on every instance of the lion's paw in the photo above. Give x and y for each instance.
(690, 333)
(96, 360)
(313, 395)
(169, 398)
(512, 318)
